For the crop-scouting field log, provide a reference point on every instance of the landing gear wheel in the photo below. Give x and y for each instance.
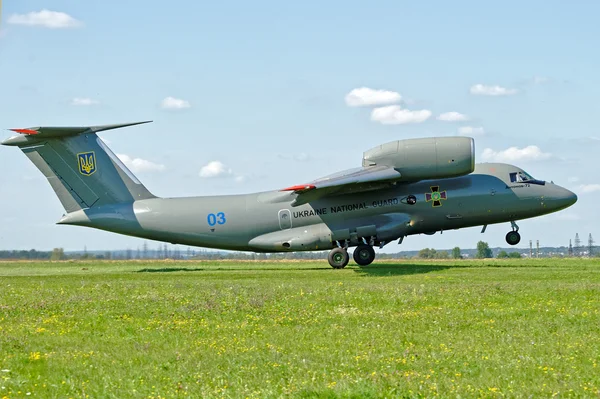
(364, 255)
(338, 258)
(513, 237)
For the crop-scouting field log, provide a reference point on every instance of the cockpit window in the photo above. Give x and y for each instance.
(519, 177)
(524, 177)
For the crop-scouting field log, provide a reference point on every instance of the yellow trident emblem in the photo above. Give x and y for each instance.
(87, 163)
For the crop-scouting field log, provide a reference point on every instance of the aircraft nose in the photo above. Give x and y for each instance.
(562, 198)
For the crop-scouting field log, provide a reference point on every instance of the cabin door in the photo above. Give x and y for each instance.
(285, 219)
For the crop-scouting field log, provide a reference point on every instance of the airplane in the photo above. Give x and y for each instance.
(402, 188)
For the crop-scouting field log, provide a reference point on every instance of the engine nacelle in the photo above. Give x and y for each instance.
(427, 158)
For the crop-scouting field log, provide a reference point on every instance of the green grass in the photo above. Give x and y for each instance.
(514, 328)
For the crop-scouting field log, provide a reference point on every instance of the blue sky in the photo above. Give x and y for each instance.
(255, 93)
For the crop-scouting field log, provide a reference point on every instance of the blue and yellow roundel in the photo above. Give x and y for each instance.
(87, 163)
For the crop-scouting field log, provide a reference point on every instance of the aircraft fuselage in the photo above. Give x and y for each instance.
(267, 221)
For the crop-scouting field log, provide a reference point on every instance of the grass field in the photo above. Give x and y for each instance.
(165, 329)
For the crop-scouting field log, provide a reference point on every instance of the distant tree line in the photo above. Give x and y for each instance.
(504, 255)
(430, 253)
(482, 251)
(31, 254)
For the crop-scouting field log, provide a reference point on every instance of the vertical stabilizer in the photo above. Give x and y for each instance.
(79, 166)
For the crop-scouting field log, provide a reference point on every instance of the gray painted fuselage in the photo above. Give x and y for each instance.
(267, 221)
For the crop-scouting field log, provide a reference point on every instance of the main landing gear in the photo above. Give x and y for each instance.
(338, 258)
(513, 237)
(364, 255)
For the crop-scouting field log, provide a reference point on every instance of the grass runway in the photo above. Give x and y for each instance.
(164, 329)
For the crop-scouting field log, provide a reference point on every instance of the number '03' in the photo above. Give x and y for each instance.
(213, 219)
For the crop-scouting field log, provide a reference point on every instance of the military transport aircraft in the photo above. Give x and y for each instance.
(404, 187)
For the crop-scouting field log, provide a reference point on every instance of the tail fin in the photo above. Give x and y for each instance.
(81, 169)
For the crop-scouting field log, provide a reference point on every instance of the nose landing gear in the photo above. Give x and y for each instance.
(513, 237)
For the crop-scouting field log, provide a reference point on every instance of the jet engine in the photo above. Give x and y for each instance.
(427, 158)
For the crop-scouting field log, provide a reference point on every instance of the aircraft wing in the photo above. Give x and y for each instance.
(345, 182)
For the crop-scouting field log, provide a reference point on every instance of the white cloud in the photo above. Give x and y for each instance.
(140, 165)
(83, 101)
(174, 103)
(573, 179)
(46, 19)
(589, 188)
(365, 96)
(483, 90)
(452, 117)
(515, 154)
(394, 115)
(471, 131)
(215, 169)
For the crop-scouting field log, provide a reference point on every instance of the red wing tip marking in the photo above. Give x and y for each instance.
(25, 131)
(299, 187)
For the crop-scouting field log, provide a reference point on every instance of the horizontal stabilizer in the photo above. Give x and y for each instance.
(42, 132)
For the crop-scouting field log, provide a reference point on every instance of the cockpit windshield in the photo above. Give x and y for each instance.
(520, 177)
(524, 177)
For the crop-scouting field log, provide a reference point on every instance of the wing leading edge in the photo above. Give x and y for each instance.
(345, 182)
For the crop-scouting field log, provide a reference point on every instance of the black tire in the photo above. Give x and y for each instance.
(364, 255)
(338, 258)
(513, 238)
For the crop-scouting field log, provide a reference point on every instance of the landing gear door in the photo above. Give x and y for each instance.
(285, 219)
